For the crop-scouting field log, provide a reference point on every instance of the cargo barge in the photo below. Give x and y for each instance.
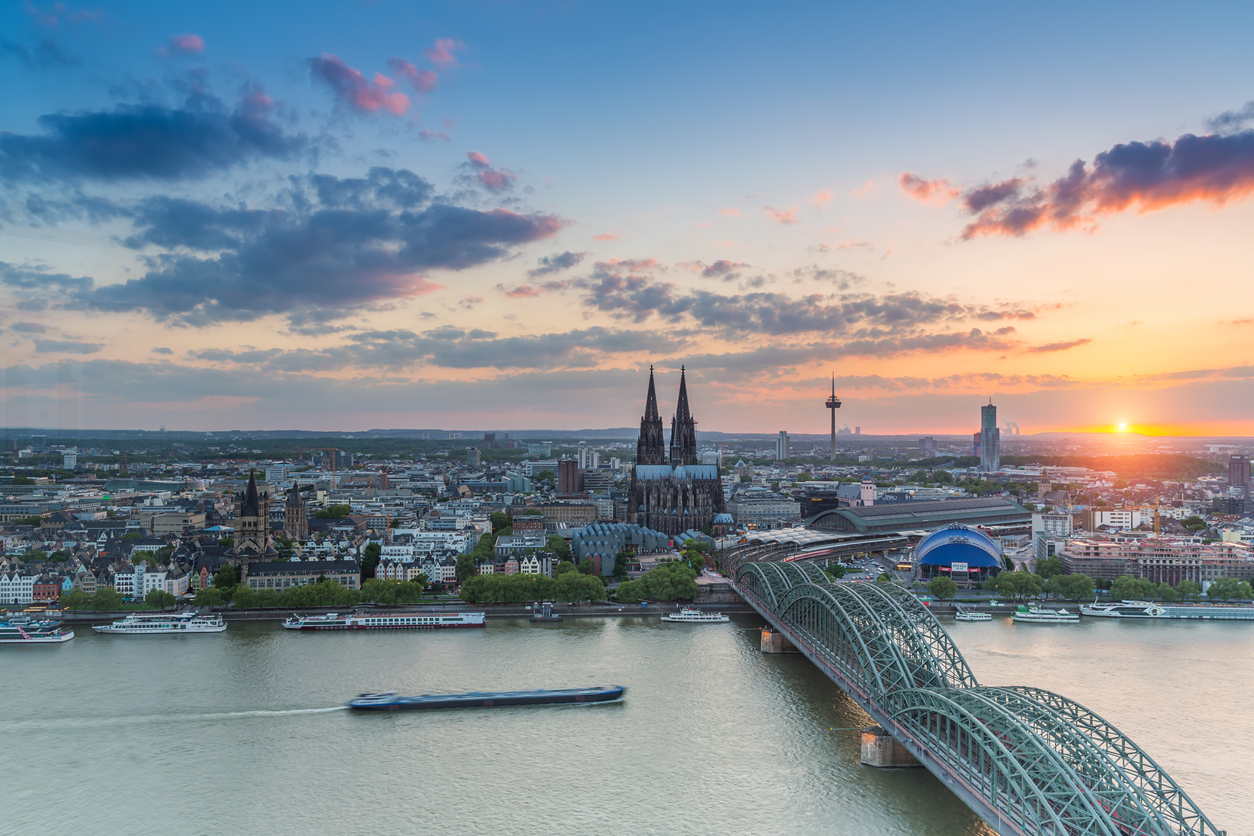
(389, 701)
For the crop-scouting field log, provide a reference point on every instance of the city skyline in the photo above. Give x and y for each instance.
(368, 217)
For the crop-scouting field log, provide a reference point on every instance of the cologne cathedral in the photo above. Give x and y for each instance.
(670, 490)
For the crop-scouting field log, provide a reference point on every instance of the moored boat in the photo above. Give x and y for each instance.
(964, 614)
(384, 621)
(689, 615)
(1187, 612)
(24, 630)
(148, 624)
(389, 701)
(1038, 615)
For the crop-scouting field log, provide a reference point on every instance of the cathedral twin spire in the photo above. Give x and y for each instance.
(650, 449)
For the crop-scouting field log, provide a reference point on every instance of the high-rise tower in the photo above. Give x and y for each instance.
(651, 447)
(833, 404)
(990, 439)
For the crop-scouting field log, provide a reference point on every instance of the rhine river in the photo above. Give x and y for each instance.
(242, 733)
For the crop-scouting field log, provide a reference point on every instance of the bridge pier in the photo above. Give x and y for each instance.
(881, 750)
(774, 641)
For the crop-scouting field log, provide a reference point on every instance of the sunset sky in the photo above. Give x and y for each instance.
(496, 215)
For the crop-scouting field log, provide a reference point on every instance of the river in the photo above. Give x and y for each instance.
(242, 733)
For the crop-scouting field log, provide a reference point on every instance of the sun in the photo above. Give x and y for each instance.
(1123, 428)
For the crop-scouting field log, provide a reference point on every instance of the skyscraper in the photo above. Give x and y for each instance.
(781, 445)
(990, 439)
(1239, 473)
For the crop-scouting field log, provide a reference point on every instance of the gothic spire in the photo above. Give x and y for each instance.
(683, 428)
(650, 404)
(682, 413)
(251, 506)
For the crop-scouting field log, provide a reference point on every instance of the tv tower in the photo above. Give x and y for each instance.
(833, 404)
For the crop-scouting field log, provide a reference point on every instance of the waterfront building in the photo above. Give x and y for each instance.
(282, 575)
(965, 554)
(1159, 559)
(603, 542)
(672, 493)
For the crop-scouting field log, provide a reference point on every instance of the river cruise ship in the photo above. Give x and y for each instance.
(688, 615)
(24, 630)
(384, 621)
(961, 613)
(1147, 609)
(1037, 615)
(149, 624)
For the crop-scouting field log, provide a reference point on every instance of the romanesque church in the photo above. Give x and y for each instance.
(671, 491)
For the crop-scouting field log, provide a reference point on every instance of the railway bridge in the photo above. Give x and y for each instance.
(1026, 760)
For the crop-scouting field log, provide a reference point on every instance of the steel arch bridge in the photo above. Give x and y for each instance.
(1026, 760)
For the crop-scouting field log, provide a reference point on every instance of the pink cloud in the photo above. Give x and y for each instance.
(785, 216)
(821, 198)
(494, 179)
(58, 12)
(354, 90)
(732, 213)
(865, 190)
(605, 236)
(442, 53)
(521, 292)
(423, 81)
(187, 44)
(927, 191)
(426, 134)
(478, 160)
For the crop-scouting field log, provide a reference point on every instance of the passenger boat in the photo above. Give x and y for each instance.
(148, 624)
(389, 701)
(688, 615)
(1146, 609)
(24, 630)
(384, 621)
(964, 614)
(1037, 615)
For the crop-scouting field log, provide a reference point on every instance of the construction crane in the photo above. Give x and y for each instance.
(331, 450)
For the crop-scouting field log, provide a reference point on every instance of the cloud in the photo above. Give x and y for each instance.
(35, 280)
(354, 90)
(1232, 120)
(423, 81)
(1140, 176)
(426, 134)
(183, 45)
(927, 191)
(723, 269)
(732, 213)
(29, 327)
(441, 54)
(65, 347)
(45, 56)
(555, 264)
(495, 180)
(161, 349)
(786, 216)
(865, 190)
(821, 198)
(60, 12)
(1061, 346)
(606, 236)
(155, 142)
(339, 245)
(521, 292)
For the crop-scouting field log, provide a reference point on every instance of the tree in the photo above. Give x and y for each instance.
(106, 599)
(835, 571)
(244, 596)
(499, 521)
(1228, 589)
(75, 600)
(226, 578)
(226, 542)
(36, 556)
(333, 512)
(943, 588)
(465, 566)
(140, 558)
(34, 521)
(546, 475)
(370, 560)
(58, 556)
(210, 596)
(1016, 585)
(563, 567)
(159, 598)
(1075, 587)
(586, 566)
(558, 545)
(884, 578)
(1049, 567)
(746, 478)
(1189, 590)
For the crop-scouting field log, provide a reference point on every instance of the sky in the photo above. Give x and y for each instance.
(497, 215)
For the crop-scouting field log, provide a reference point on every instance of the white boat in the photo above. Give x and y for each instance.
(1037, 615)
(688, 615)
(147, 624)
(964, 614)
(24, 630)
(384, 621)
(1123, 609)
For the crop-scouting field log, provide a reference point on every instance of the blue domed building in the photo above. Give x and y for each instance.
(976, 555)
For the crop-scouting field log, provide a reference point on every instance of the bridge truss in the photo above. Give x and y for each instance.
(1028, 761)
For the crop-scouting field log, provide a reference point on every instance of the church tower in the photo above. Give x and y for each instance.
(295, 516)
(683, 428)
(252, 523)
(651, 447)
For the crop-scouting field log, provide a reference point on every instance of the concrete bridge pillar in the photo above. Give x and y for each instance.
(774, 641)
(881, 750)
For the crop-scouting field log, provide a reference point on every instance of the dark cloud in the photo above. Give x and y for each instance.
(1144, 176)
(339, 245)
(29, 327)
(1232, 120)
(38, 280)
(148, 141)
(160, 349)
(44, 56)
(555, 263)
(65, 347)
